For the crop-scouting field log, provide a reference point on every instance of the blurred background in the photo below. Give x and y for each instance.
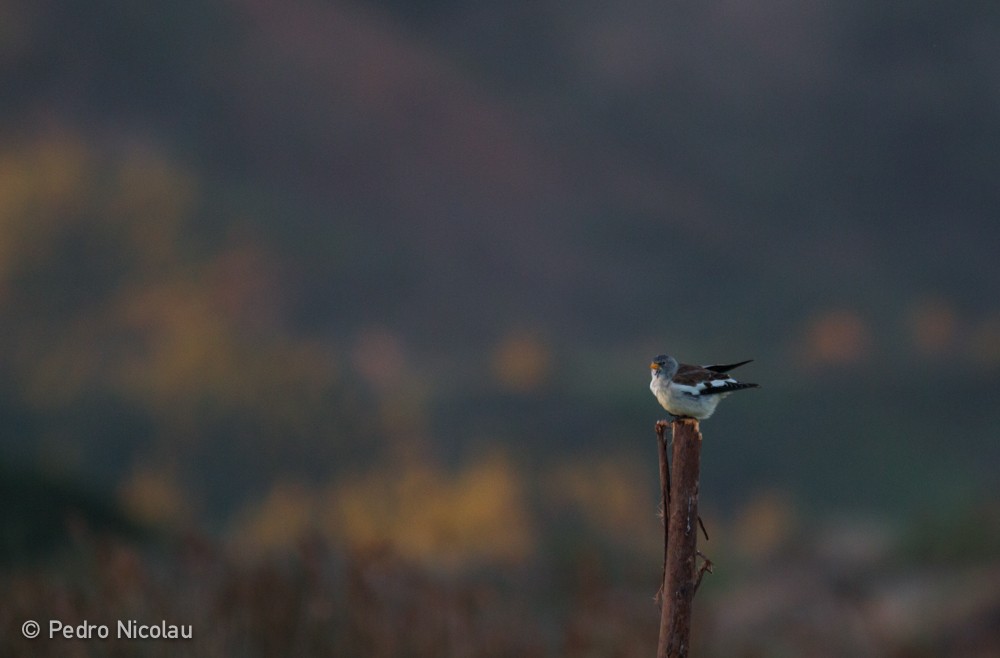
(326, 324)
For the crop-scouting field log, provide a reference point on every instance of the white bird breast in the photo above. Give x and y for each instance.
(682, 400)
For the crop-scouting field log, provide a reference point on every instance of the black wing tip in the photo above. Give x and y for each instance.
(729, 366)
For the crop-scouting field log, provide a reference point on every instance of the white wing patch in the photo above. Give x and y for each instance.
(693, 391)
(713, 384)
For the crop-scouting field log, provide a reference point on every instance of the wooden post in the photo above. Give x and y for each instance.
(661, 446)
(681, 537)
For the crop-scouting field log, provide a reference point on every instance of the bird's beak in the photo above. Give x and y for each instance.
(654, 366)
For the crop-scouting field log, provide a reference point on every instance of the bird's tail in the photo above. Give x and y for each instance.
(726, 368)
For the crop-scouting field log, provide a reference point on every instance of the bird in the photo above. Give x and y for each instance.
(687, 391)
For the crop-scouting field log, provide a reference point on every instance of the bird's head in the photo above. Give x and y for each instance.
(663, 366)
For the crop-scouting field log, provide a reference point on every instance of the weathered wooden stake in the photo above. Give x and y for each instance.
(680, 496)
(661, 445)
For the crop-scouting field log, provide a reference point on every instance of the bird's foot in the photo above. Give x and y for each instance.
(671, 419)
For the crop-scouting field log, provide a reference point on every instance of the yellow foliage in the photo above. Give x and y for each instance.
(181, 343)
(42, 186)
(608, 494)
(285, 516)
(54, 189)
(477, 515)
(764, 525)
(154, 496)
(186, 350)
(521, 362)
(57, 181)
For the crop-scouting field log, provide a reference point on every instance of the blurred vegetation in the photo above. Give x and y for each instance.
(784, 586)
(384, 278)
(42, 515)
